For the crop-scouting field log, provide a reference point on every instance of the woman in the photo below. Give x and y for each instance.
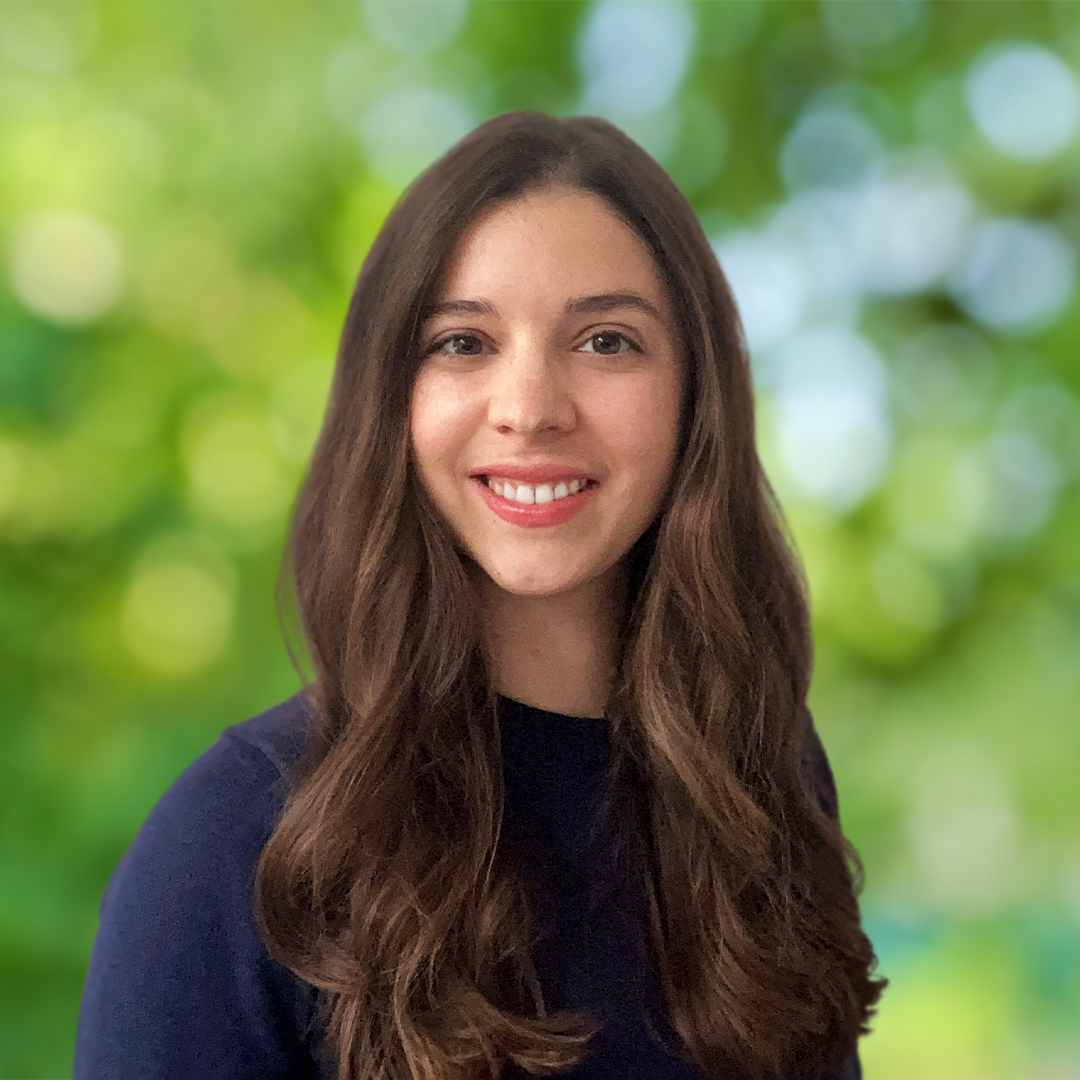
(553, 803)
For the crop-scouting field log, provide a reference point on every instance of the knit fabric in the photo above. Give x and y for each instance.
(181, 985)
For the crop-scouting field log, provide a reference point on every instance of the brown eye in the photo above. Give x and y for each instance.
(463, 345)
(608, 343)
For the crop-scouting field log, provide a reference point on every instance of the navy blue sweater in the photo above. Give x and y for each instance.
(180, 983)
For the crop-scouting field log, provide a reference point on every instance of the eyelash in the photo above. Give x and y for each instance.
(438, 346)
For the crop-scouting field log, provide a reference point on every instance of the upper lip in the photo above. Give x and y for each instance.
(539, 473)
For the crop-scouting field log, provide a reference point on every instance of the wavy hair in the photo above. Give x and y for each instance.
(384, 883)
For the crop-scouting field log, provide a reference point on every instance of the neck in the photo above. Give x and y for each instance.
(559, 652)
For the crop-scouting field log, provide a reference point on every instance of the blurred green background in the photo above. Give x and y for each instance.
(186, 193)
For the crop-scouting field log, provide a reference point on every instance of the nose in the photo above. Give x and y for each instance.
(530, 392)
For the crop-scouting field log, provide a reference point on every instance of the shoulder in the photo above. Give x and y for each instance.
(233, 792)
(817, 775)
(231, 795)
(180, 982)
(280, 735)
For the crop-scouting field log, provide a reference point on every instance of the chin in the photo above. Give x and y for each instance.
(532, 584)
(532, 587)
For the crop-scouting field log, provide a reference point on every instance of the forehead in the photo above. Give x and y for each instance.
(556, 242)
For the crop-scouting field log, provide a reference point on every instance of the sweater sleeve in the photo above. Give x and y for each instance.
(180, 983)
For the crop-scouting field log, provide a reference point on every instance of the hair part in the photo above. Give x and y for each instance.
(384, 883)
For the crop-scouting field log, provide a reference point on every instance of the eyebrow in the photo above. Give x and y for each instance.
(582, 305)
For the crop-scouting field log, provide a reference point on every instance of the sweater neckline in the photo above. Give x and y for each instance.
(551, 746)
(521, 708)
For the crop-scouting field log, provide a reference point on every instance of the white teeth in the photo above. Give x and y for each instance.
(543, 493)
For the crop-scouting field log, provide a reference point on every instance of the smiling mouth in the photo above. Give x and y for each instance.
(531, 494)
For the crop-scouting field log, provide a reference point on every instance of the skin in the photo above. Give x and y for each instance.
(527, 380)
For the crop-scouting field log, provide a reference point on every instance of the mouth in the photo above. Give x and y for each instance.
(532, 494)
(545, 506)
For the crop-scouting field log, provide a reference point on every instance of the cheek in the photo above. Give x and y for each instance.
(640, 421)
(435, 422)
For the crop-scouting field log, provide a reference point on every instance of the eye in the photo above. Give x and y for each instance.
(460, 345)
(608, 343)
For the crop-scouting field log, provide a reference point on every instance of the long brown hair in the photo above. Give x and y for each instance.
(384, 884)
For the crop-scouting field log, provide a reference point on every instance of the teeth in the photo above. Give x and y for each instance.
(542, 493)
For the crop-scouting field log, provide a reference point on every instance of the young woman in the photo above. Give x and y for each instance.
(553, 803)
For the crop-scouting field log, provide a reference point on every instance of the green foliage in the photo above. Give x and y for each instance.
(186, 194)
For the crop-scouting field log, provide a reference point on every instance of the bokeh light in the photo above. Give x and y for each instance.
(1015, 275)
(864, 29)
(66, 266)
(1025, 100)
(421, 26)
(407, 129)
(178, 608)
(829, 148)
(833, 437)
(632, 55)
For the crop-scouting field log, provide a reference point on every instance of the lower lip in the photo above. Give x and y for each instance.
(536, 516)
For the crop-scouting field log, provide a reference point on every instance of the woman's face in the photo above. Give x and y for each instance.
(550, 356)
